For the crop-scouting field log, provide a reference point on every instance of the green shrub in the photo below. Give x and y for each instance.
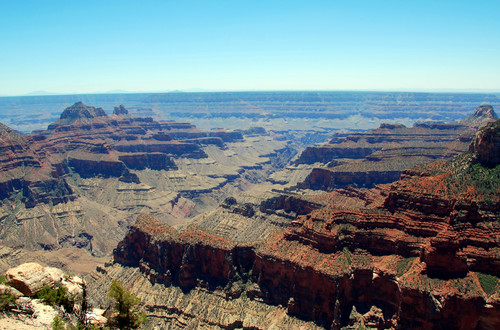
(58, 324)
(6, 299)
(125, 306)
(58, 296)
(404, 265)
(488, 282)
(347, 254)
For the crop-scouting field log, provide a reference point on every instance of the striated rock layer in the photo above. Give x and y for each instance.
(81, 182)
(420, 253)
(379, 156)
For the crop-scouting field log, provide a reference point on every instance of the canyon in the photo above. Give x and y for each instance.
(319, 112)
(379, 156)
(82, 181)
(421, 252)
(394, 227)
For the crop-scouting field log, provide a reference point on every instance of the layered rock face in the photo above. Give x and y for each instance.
(420, 253)
(24, 172)
(80, 111)
(487, 145)
(29, 278)
(84, 179)
(379, 156)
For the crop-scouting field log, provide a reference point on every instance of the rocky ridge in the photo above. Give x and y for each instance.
(379, 156)
(419, 253)
(82, 181)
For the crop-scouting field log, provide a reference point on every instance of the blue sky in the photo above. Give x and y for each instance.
(98, 46)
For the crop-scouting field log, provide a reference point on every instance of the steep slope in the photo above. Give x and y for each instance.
(81, 182)
(379, 156)
(420, 253)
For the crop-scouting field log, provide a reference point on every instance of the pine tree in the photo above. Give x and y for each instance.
(125, 305)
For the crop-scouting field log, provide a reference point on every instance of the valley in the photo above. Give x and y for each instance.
(295, 215)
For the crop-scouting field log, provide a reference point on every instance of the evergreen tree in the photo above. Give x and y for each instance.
(125, 305)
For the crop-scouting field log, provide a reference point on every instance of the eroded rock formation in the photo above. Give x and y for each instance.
(379, 156)
(487, 145)
(419, 253)
(84, 179)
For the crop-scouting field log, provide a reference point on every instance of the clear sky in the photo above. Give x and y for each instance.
(97, 46)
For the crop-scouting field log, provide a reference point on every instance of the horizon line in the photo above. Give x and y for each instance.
(201, 90)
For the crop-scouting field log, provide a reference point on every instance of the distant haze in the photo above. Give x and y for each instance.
(278, 111)
(68, 47)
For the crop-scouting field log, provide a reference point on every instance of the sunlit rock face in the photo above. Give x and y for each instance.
(83, 181)
(379, 156)
(421, 252)
(487, 145)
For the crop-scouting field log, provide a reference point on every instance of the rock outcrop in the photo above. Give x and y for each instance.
(34, 296)
(486, 145)
(325, 179)
(379, 156)
(29, 278)
(80, 111)
(120, 110)
(82, 181)
(483, 115)
(419, 253)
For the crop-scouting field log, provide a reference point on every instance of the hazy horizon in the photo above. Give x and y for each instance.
(94, 47)
(200, 90)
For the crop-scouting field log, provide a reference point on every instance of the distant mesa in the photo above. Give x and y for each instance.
(391, 126)
(255, 130)
(120, 110)
(82, 111)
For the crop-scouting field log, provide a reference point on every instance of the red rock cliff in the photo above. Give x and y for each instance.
(420, 253)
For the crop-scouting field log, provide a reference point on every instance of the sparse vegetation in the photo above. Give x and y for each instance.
(6, 299)
(404, 265)
(347, 255)
(229, 201)
(57, 296)
(463, 175)
(127, 315)
(488, 282)
(58, 324)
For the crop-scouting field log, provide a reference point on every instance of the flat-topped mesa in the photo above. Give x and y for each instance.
(486, 145)
(120, 110)
(190, 255)
(391, 126)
